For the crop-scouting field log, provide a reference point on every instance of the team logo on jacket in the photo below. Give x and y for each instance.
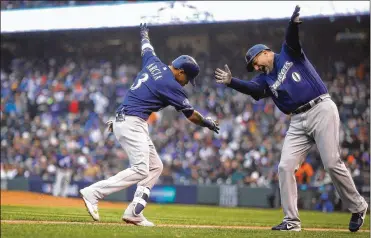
(280, 78)
(296, 77)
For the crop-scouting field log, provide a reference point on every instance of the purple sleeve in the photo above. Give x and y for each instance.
(292, 41)
(147, 52)
(177, 98)
(256, 88)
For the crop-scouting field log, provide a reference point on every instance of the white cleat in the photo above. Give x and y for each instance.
(138, 220)
(92, 208)
(142, 221)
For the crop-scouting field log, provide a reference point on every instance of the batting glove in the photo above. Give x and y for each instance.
(222, 76)
(295, 15)
(109, 124)
(144, 31)
(211, 124)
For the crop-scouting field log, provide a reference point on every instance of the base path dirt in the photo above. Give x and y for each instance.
(39, 199)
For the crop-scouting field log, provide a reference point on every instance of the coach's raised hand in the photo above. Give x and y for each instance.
(223, 76)
(295, 15)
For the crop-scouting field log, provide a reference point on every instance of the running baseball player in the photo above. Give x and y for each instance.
(296, 88)
(156, 86)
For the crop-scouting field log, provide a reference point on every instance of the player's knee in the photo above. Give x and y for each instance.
(285, 168)
(143, 170)
(156, 170)
(160, 167)
(332, 165)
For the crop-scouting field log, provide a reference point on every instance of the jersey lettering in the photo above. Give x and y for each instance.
(281, 77)
(140, 81)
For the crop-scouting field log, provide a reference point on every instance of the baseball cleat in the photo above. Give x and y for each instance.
(143, 222)
(285, 226)
(138, 220)
(92, 208)
(357, 220)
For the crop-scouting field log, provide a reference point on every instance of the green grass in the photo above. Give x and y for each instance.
(99, 231)
(169, 214)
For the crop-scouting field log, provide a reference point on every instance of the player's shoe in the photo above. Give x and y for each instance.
(357, 220)
(285, 226)
(138, 220)
(92, 208)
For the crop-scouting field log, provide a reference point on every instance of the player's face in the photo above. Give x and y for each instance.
(182, 78)
(262, 63)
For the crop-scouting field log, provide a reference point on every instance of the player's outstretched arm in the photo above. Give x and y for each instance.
(251, 87)
(145, 42)
(292, 32)
(198, 119)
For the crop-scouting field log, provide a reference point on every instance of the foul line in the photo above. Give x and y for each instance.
(167, 225)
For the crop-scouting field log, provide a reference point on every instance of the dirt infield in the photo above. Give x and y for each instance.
(36, 199)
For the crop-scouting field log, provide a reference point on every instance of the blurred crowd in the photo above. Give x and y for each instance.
(53, 114)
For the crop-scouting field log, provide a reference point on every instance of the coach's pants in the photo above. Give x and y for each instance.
(319, 125)
(146, 166)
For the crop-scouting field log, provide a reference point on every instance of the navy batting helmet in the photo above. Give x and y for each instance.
(189, 65)
(251, 53)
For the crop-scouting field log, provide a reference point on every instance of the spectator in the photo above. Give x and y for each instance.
(324, 204)
(304, 173)
(62, 100)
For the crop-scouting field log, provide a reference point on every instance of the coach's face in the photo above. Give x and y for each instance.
(263, 62)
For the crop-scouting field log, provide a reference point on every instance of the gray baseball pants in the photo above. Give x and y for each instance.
(320, 125)
(146, 166)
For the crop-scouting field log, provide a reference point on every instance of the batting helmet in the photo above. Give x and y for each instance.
(189, 65)
(252, 53)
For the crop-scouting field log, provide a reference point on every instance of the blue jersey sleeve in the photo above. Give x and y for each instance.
(256, 88)
(177, 97)
(148, 52)
(149, 56)
(292, 44)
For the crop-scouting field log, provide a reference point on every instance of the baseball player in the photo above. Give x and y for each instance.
(156, 86)
(63, 174)
(297, 90)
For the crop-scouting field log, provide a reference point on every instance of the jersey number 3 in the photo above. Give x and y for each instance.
(140, 81)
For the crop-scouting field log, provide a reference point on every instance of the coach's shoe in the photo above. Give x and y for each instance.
(285, 226)
(138, 220)
(92, 208)
(357, 220)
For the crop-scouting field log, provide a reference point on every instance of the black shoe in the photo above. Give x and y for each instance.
(356, 221)
(285, 226)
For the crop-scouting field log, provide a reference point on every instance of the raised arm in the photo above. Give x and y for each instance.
(147, 50)
(292, 32)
